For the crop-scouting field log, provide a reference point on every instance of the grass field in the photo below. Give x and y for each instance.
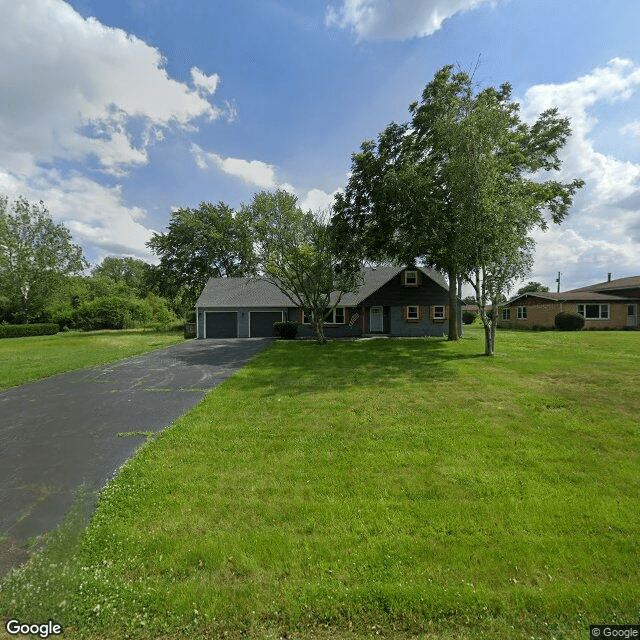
(27, 359)
(383, 488)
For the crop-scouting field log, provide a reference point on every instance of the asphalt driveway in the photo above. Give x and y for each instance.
(62, 432)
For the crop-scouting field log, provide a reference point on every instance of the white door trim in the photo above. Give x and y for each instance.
(376, 329)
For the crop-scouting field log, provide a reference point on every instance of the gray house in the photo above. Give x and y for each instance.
(397, 301)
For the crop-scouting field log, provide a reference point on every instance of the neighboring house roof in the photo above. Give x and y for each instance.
(620, 283)
(253, 292)
(568, 296)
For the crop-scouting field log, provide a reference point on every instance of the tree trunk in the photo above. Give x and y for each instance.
(488, 339)
(319, 330)
(453, 307)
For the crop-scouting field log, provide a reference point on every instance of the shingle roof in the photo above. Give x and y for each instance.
(241, 292)
(620, 283)
(252, 292)
(569, 296)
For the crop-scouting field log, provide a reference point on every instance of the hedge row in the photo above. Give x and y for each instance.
(21, 330)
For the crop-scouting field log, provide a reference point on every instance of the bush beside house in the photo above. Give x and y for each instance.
(286, 330)
(568, 322)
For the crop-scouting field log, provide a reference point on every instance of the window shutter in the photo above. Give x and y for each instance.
(405, 312)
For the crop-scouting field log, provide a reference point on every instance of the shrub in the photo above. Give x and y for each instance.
(468, 317)
(569, 321)
(21, 330)
(116, 312)
(286, 330)
(190, 330)
(108, 312)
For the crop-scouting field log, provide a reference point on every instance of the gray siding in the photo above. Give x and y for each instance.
(395, 294)
(400, 327)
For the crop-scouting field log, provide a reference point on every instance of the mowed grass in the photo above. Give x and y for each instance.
(392, 488)
(28, 359)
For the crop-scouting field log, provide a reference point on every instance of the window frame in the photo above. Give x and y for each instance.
(506, 313)
(414, 272)
(410, 318)
(331, 320)
(441, 316)
(521, 313)
(332, 317)
(600, 305)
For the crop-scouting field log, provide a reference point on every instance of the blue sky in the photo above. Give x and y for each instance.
(114, 112)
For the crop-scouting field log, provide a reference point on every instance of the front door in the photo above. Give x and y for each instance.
(376, 323)
(632, 315)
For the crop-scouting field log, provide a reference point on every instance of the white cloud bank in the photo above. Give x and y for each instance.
(602, 232)
(73, 89)
(395, 19)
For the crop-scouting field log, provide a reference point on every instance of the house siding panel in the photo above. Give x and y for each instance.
(395, 294)
(426, 327)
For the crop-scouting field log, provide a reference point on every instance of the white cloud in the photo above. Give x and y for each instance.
(95, 214)
(208, 84)
(631, 129)
(602, 233)
(609, 179)
(263, 176)
(81, 75)
(317, 200)
(397, 19)
(252, 172)
(75, 90)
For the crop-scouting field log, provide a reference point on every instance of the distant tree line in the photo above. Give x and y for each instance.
(44, 279)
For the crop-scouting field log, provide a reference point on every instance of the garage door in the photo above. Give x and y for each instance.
(261, 323)
(221, 324)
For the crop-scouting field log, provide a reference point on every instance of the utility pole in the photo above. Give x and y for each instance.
(558, 281)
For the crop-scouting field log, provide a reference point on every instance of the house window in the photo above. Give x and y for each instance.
(411, 278)
(413, 312)
(594, 311)
(306, 318)
(438, 312)
(335, 316)
(506, 314)
(521, 313)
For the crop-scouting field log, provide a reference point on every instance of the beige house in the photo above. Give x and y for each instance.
(608, 305)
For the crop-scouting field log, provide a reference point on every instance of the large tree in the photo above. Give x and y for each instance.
(36, 254)
(132, 273)
(200, 244)
(295, 253)
(532, 287)
(459, 187)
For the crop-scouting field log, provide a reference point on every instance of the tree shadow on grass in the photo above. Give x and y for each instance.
(306, 367)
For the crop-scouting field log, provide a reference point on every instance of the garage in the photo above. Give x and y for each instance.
(261, 323)
(221, 324)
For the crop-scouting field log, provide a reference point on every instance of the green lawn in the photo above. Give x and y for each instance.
(27, 359)
(386, 488)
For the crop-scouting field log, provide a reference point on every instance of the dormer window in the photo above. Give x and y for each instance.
(411, 278)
